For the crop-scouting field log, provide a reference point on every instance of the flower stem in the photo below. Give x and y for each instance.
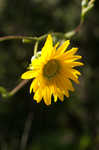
(35, 48)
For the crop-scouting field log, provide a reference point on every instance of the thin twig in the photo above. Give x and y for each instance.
(12, 37)
(78, 28)
(18, 87)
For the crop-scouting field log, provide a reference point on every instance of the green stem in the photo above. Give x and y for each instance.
(35, 48)
(19, 37)
(12, 37)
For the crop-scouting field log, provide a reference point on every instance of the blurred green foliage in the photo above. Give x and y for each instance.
(71, 125)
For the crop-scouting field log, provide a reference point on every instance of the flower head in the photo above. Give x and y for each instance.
(53, 71)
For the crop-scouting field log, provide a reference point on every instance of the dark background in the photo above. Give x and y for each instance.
(71, 125)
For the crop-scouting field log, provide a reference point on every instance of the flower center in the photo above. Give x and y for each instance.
(51, 68)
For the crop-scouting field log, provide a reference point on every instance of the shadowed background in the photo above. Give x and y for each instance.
(26, 125)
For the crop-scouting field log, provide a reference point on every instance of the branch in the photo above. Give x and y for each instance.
(5, 94)
(18, 87)
(23, 38)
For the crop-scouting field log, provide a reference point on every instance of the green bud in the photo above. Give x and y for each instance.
(84, 3)
(26, 41)
(70, 34)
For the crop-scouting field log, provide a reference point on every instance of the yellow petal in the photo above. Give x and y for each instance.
(66, 93)
(61, 97)
(74, 58)
(31, 87)
(56, 45)
(72, 76)
(38, 95)
(73, 64)
(36, 63)
(76, 72)
(34, 85)
(55, 92)
(48, 46)
(63, 47)
(70, 58)
(29, 75)
(69, 73)
(71, 52)
(55, 98)
(53, 52)
(59, 92)
(69, 85)
(63, 88)
(47, 95)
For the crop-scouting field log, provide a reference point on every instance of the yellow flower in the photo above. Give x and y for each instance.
(53, 71)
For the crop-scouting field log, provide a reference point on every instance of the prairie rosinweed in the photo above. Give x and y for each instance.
(53, 71)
